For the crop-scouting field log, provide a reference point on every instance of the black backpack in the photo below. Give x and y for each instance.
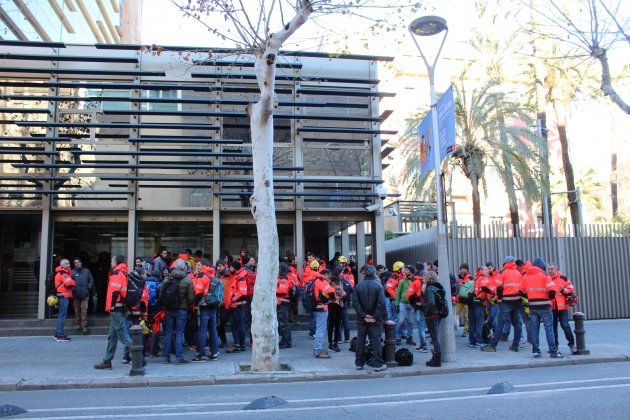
(135, 287)
(404, 357)
(441, 303)
(50, 283)
(454, 285)
(169, 297)
(308, 297)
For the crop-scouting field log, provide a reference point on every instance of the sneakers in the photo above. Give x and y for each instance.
(284, 346)
(235, 349)
(380, 368)
(514, 348)
(359, 367)
(489, 349)
(166, 361)
(422, 349)
(472, 346)
(214, 357)
(85, 331)
(465, 334)
(398, 342)
(322, 355)
(153, 356)
(199, 359)
(62, 338)
(312, 337)
(103, 365)
(336, 348)
(410, 341)
(126, 360)
(537, 355)
(572, 348)
(182, 361)
(346, 340)
(557, 355)
(525, 344)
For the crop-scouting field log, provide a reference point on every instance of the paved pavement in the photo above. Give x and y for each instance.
(31, 363)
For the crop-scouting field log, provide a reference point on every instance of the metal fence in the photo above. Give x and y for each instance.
(596, 258)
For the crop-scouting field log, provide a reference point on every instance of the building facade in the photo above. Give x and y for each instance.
(118, 149)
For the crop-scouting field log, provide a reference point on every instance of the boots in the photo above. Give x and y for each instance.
(436, 360)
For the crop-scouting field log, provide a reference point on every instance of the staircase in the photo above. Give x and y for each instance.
(98, 325)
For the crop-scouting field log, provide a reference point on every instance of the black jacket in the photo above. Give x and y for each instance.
(430, 305)
(368, 298)
(84, 283)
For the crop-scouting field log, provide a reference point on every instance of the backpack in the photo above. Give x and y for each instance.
(135, 287)
(441, 303)
(250, 279)
(308, 297)
(153, 289)
(169, 297)
(454, 284)
(404, 357)
(50, 283)
(466, 292)
(214, 297)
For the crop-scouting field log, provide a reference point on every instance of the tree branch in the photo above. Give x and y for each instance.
(607, 87)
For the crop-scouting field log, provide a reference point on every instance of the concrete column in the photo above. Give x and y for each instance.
(360, 245)
(331, 247)
(45, 241)
(216, 229)
(299, 241)
(132, 200)
(378, 238)
(345, 243)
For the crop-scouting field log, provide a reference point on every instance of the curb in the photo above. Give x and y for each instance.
(253, 378)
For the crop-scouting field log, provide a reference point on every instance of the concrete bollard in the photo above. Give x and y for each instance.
(136, 350)
(389, 349)
(580, 340)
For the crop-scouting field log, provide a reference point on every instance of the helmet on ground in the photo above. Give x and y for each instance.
(52, 300)
(343, 259)
(398, 265)
(314, 265)
(572, 299)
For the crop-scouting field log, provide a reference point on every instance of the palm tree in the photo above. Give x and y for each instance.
(488, 134)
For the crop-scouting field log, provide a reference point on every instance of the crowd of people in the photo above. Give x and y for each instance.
(187, 300)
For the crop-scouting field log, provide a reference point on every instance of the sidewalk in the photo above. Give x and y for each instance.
(31, 363)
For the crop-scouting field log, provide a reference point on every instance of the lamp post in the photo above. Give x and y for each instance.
(429, 26)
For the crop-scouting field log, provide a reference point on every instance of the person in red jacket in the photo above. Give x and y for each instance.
(559, 304)
(390, 289)
(477, 309)
(508, 291)
(138, 312)
(116, 292)
(284, 293)
(224, 274)
(238, 300)
(493, 301)
(347, 273)
(540, 290)
(324, 293)
(63, 289)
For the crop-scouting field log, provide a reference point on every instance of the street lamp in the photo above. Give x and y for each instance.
(429, 26)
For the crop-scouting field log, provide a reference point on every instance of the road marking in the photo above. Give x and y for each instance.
(328, 401)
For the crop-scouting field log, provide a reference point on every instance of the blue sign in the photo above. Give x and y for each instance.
(446, 124)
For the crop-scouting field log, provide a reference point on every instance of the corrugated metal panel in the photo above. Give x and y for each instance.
(596, 258)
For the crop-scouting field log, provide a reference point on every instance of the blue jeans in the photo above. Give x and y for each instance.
(389, 307)
(528, 324)
(208, 323)
(563, 318)
(509, 311)
(475, 323)
(321, 319)
(175, 320)
(404, 322)
(421, 322)
(237, 325)
(117, 331)
(126, 353)
(493, 312)
(63, 312)
(312, 325)
(546, 316)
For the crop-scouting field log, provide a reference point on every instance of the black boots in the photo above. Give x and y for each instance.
(436, 360)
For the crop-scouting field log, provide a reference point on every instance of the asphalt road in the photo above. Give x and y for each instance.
(565, 392)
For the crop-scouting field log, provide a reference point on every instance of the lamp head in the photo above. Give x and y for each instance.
(428, 25)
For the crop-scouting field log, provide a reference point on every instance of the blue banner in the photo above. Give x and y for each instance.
(446, 124)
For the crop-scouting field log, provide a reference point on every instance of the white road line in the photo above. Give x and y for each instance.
(329, 407)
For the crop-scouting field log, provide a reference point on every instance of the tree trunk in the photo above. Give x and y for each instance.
(607, 87)
(264, 318)
(566, 162)
(509, 178)
(474, 182)
(613, 161)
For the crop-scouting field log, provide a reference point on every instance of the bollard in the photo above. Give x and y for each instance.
(389, 349)
(580, 341)
(136, 350)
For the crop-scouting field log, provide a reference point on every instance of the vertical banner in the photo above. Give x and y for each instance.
(446, 124)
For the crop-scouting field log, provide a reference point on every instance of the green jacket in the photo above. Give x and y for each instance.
(401, 291)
